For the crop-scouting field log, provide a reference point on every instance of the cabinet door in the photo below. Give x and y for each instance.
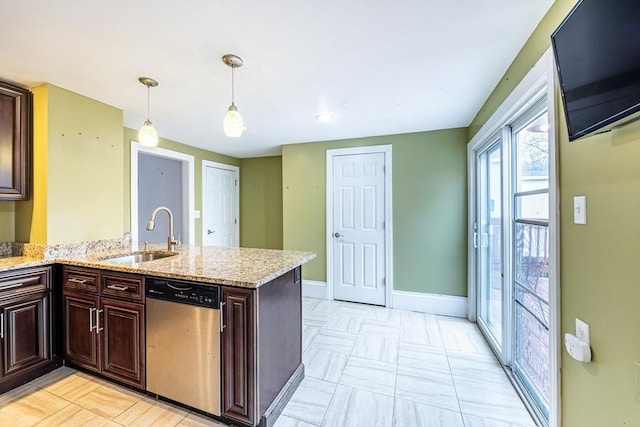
(121, 328)
(81, 344)
(26, 332)
(15, 142)
(238, 354)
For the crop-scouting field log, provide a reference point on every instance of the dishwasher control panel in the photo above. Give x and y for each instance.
(199, 294)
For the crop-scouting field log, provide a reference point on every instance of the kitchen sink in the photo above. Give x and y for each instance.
(139, 257)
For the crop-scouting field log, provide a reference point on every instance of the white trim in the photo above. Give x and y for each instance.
(236, 171)
(555, 406)
(388, 212)
(188, 188)
(315, 289)
(446, 305)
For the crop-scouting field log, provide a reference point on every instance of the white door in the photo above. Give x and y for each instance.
(220, 206)
(358, 222)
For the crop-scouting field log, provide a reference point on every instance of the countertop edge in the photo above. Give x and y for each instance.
(9, 264)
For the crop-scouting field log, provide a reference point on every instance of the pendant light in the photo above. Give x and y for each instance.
(148, 135)
(233, 124)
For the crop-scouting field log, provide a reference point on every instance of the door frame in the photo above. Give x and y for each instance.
(236, 171)
(388, 212)
(540, 80)
(188, 188)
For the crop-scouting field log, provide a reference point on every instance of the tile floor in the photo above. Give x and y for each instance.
(365, 366)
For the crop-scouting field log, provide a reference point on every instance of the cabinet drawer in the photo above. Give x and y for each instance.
(122, 286)
(80, 279)
(25, 280)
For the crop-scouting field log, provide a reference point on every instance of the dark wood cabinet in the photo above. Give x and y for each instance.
(122, 335)
(238, 359)
(25, 326)
(103, 333)
(261, 349)
(81, 343)
(15, 142)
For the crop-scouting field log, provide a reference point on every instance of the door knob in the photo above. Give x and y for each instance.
(338, 235)
(210, 232)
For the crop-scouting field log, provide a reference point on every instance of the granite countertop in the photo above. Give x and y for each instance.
(8, 262)
(244, 267)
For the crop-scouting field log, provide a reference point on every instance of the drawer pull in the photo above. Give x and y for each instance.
(91, 310)
(1, 325)
(118, 288)
(98, 328)
(78, 281)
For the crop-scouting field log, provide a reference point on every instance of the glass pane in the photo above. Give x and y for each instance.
(490, 241)
(532, 155)
(534, 207)
(532, 258)
(532, 354)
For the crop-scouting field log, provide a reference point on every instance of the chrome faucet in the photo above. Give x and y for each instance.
(171, 242)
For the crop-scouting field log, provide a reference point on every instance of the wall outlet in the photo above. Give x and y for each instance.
(582, 331)
(636, 381)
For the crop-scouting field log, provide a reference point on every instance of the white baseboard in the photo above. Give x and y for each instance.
(446, 305)
(315, 289)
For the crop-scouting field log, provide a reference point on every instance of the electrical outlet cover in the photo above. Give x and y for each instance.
(582, 331)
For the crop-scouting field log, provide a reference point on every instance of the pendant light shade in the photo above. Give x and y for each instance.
(233, 124)
(148, 135)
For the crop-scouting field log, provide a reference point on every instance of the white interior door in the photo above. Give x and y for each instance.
(359, 221)
(220, 205)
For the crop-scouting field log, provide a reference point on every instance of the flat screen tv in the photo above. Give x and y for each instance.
(597, 54)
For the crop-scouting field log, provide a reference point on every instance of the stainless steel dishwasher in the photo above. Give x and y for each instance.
(183, 342)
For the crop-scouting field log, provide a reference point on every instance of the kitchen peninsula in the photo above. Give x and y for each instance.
(260, 303)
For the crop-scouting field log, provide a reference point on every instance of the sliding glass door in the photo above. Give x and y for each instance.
(489, 241)
(531, 361)
(512, 244)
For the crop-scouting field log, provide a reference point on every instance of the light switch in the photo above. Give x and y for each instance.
(580, 209)
(196, 214)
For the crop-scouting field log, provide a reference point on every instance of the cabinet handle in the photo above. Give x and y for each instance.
(91, 310)
(222, 325)
(117, 288)
(78, 281)
(98, 328)
(1, 326)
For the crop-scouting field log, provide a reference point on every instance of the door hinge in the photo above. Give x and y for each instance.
(475, 239)
(236, 182)
(235, 221)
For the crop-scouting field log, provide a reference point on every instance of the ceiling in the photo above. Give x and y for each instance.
(380, 67)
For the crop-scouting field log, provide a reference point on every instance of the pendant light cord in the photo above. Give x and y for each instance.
(233, 84)
(148, 95)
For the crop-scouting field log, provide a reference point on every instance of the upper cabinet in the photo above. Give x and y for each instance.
(15, 142)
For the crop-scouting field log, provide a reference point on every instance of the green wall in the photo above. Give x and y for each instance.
(429, 207)
(78, 172)
(7, 221)
(261, 202)
(199, 156)
(600, 261)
